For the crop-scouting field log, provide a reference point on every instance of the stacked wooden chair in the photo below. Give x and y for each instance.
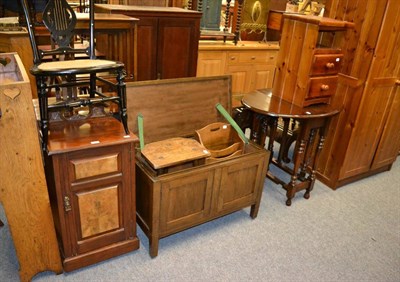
(57, 69)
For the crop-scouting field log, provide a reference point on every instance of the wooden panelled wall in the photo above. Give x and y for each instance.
(365, 138)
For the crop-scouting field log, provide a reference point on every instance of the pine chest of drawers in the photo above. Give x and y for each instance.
(309, 59)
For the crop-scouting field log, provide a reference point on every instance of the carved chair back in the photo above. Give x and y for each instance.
(60, 20)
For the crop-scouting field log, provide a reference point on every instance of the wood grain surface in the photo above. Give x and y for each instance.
(174, 151)
(23, 190)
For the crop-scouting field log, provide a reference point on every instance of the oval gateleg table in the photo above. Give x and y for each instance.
(281, 121)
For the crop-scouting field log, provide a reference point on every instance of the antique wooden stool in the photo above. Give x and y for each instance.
(165, 155)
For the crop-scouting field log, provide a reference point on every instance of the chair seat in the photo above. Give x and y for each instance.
(75, 66)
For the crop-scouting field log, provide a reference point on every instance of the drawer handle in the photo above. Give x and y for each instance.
(398, 82)
(324, 87)
(67, 204)
(233, 58)
(253, 58)
(330, 65)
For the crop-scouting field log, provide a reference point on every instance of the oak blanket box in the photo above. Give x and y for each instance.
(180, 199)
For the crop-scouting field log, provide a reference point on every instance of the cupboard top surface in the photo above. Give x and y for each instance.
(105, 17)
(147, 9)
(211, 45)
(324, 23)
(91, 133)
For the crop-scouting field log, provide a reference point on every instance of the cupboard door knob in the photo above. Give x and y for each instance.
(398, 82)
(330, 65)
(324, 87)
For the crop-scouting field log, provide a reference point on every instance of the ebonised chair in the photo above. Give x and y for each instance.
(65, 73)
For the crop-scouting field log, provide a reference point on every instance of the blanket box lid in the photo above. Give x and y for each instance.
(176, 107)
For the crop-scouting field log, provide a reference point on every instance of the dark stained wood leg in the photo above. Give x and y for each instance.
(315, 161)
(238, 20)
(263, 131)
(121, 89)
(43, 103)
(243, 117)
(298, 158)
(307, 155)
(255, 128)
(289, 194)
(273, 123)
(283, 150)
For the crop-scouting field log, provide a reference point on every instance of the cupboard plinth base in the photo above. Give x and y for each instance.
(338, 184)
(73, 263)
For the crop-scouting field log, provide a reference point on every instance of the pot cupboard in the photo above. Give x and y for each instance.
(90, 173)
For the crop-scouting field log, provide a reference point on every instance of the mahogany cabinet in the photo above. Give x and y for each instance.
(167, 40)
(90, 170)
(365, 138)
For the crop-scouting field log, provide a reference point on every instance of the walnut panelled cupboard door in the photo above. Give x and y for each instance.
(365, 138)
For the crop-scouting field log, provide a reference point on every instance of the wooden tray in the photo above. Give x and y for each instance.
(220, 139)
